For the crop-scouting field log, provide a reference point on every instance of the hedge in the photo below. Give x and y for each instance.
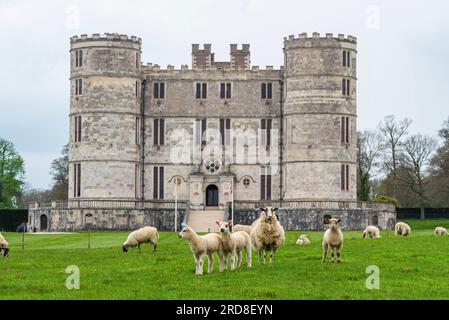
(10, 219)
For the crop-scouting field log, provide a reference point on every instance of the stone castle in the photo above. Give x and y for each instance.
(210, 139)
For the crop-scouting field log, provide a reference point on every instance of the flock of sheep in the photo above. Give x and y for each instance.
(265, 235)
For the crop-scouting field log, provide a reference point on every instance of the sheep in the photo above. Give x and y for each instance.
(233, 244)
(333, 238)
(371, 232)
(203, 246)
(4, 246)
(267, 233)
(143, 235)
(240, 227)
(402, 229)
(441, 231)
(303, 240)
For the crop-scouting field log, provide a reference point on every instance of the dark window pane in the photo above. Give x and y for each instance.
(162, 131)
(222, 131)
(204, 92)
(268, 187)
(156, 132)
(264, 90)
(198, 91)
(348, 88)
(155, 182)
(223, 91)
(262, 187)
(228, 91)
(161, 183)
(162, 91)
(156, 91)
(81, 58)
(203, 131)
(347, 130)
(269, 126)
(270, 91)
(342, 177)
(344, 58)
(348, 62)
(347, 177)
(343, 87)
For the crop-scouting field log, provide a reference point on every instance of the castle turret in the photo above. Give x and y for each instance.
(105, 117)
(320, 117)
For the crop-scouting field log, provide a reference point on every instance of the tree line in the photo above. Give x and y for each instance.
(409, 170)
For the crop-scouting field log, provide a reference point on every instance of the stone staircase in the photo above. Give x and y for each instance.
(204, 221)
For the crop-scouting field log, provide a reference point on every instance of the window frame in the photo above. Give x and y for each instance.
(159, 90)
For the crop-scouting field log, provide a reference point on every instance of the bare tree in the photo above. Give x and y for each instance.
(418, 150)
(370, 149)
(393, 131)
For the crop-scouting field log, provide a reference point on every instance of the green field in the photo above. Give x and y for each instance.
(415, 267)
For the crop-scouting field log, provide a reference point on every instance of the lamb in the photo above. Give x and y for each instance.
(241, 227)
(203, 246)
(371, 232)
(441, 231)
(402, 229)
(143, 235)
(4, 246)
(333, 238)
(233, 244)
(267, 233)
(303, 240)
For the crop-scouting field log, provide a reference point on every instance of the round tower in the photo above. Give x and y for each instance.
(320, 114)
(105, 93)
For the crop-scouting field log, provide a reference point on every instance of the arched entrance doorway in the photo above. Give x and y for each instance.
(212, 196)
(44, 223)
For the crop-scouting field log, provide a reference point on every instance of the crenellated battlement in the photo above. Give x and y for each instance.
(105, 36)
(155, 68)
(317, 36)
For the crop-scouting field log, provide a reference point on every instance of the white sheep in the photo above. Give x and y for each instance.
(333, 239)
(203, 246)
(143, 235)
(371, 232)
(233, 244)
(4, 246)
(267, 234)
(402, 229)
(303, 240)
(241, 227)
(441, 231)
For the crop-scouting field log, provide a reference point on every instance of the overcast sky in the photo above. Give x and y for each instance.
(402, 63)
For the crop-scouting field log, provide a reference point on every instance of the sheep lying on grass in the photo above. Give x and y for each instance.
(333, 239)
(303, 240)
(233, 244)
(267, 234)
(371, 232)
(4, 246)
(203, 246)
(402, 229)
(241, 227)
(138, 237)
(441, 231)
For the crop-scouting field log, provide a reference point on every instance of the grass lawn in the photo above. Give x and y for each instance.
(416, 267)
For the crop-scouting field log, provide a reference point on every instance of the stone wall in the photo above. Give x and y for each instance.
(63, 220)
(313, 219)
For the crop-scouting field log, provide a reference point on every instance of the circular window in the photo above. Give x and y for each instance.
(246, 182)
(213, 166)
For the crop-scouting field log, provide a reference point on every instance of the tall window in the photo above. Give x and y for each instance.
(78, 87)
(200, 130)
(158, 183)
(138, 128)
(265, 183)
(137, 181)
(159, 90)
(78, 58)
(78, 129)
(346, 87)
(225, 90)
(267, 91)
(266, 126)
(76, 180)
(345, 129)
(346, 58)
(201, 91)
(137, 60)
(345, 177)
(225, 131)
(137, 89)
(159, 132)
